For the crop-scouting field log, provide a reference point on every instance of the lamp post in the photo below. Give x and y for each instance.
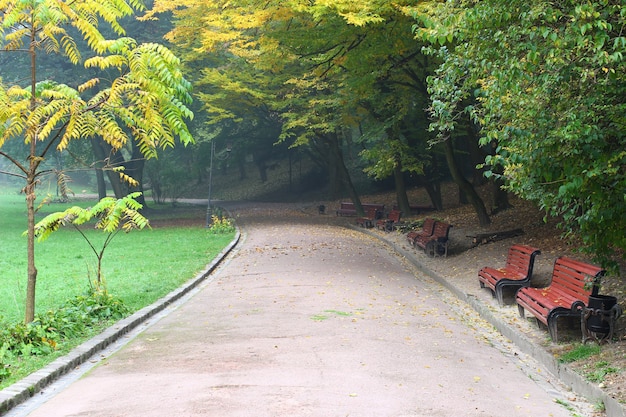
(209, 210)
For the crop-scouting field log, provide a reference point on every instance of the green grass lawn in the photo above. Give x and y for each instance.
(139, 267)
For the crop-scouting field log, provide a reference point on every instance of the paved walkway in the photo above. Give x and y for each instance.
(311, 320)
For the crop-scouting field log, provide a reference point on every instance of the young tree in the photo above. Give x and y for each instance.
(145, 103)
(113, 216)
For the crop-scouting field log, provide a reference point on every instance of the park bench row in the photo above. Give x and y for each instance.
(348, 209)
(573, 290)
(433, 237)
(573, 286)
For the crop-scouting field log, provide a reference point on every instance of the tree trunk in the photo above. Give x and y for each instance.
(344, 174)
(463, 199)
(241, 164)
(114, 179)
(99, 165)
(434, 192)
(430, 180)
(321, 155)
(334, 178)
(500, 196)
(401, 197)
(135, 168)
(29, 313)
(477, 156)
(102, 185)
(260, 160)
(29, 190)
(111, 159)
(465, 186)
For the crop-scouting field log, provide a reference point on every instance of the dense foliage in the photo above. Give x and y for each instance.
(545, 82)
(330, 75)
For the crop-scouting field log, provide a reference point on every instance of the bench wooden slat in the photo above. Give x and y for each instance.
(516, 273)
(427, 230)
(392, 219)
(348, 208)
(437, 242)
(572, 283)
(369, 218)
(540, 311)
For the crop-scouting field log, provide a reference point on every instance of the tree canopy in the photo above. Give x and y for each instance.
(328, 72)
(541, 85)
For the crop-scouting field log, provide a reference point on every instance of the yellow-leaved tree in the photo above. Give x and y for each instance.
(145, 102)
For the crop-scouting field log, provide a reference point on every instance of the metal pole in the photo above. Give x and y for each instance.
(209, 212)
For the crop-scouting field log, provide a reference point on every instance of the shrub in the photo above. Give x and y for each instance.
(43, 335)
(221, 225)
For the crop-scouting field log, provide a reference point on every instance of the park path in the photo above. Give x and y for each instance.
(308, 319)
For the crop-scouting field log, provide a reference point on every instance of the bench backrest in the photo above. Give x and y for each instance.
(576, 278)
(441, 230)
(347, 205)
(428, 227)
(521, 259)
(394, 215)
(371, 212)
(380, 207)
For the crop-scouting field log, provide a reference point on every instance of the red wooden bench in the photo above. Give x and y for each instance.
(368, 220)
(516, 273)
(572, 283)
(437, 243)
(427, 230)
(392, 219)
(348, 209)
(417, 209)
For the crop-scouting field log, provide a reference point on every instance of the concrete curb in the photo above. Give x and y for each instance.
(22, 390)
(561, 371)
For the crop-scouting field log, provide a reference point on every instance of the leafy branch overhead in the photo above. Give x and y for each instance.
(111, 214)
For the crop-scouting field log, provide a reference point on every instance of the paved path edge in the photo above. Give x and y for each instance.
(27, 387)
(564, 373)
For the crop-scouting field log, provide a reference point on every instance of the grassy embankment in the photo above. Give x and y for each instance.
(139, 267)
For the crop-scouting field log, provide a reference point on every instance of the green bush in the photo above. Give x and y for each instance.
(4, 367)
(44, 334)
(221, 225)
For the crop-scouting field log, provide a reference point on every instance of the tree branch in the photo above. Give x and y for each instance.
(16, 163)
